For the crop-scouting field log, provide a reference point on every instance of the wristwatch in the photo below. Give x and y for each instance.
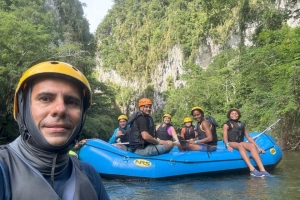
(227, 144)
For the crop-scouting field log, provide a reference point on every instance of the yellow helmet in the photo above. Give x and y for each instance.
(144, 101)
(167, 115)
(54, 67)
(196, 108)
(122, 117)
(187, 119)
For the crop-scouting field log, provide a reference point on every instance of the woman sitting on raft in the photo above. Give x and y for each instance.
(234, 132)
(206, 139)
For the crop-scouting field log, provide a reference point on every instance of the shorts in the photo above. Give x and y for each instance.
(204, 147)
(152, 150)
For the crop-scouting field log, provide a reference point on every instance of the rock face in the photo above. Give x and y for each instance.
(52, 5)
(171, 68)
(293, 8)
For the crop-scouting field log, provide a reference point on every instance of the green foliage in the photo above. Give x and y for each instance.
(25, 39)
(101, 118)
(262, 80)
(31, 33)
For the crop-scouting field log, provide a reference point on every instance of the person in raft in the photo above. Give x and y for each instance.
(234, 132)
(166, 131)
(120, 134)
(142, 140)
(206, 139)
(50, 105)
(188, 132)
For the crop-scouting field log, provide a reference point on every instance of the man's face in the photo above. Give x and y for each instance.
(55, 108)
(146, 109)
(122, 123)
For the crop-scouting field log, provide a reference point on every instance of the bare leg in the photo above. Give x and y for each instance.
(251, 147)
(243, 152)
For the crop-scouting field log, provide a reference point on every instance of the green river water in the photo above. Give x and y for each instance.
(284, 184)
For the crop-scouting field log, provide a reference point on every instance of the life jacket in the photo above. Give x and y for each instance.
(189, 132)
(28, 183)
(136, 140)
(201, 133)
(236, 131)
(162, 132)
(124, 137)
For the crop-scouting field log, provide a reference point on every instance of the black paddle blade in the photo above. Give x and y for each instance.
(182, 141)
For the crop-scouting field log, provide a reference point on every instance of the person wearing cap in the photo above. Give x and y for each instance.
(206, 139)
(166, 131)
(50, 107)
(234, 132)
(188, 132)
(142, 139)
(120, 134)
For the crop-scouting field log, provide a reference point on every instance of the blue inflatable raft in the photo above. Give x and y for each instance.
(114, 163)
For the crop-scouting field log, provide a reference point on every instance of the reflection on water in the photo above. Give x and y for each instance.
(284, 184)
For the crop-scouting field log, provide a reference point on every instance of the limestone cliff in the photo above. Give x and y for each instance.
(171, 68)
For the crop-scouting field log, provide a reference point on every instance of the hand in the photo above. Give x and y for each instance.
(119, 133)
(230, 148)
(80, 144)
(165, 142)
(260, 150)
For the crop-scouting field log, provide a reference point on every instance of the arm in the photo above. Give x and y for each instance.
(252, 141)
(146, 136)
(78, 145)
(173, 133)
(225, 137)
(156, 128)
(113, 137)
(142, 125)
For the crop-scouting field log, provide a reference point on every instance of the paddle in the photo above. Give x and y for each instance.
(182, 141)
(128, 142)
(267, 129)
(121, 143)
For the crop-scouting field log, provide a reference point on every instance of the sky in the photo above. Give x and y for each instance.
(95, 11)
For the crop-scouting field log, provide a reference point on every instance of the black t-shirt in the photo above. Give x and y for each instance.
(142, 124)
